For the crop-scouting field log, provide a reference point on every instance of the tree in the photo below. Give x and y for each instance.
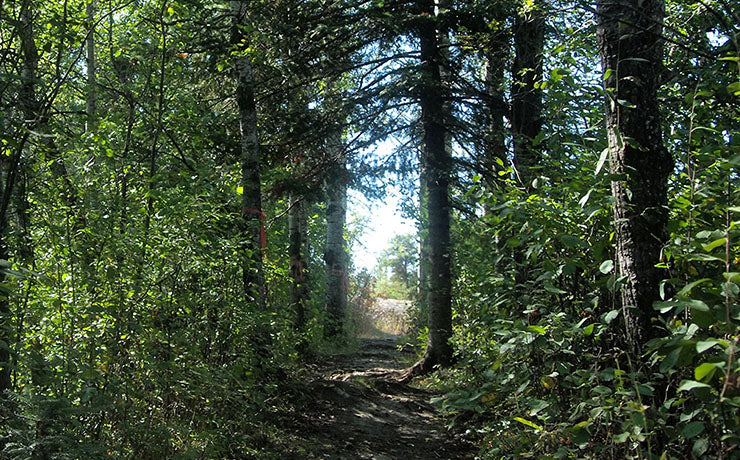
(401, 258)
(334, 255)
(437, 168)
(631, 58)
(298, 257)
(526, 95)
(251, 185)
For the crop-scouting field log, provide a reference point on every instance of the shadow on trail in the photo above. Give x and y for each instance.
(358, 411)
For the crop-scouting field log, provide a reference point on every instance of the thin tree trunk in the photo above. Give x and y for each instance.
(92, 87)
(297, 250)
(526, 99)
(336, 260)
(495, 159)
(437, 166)
(629, 33)
(252, 214)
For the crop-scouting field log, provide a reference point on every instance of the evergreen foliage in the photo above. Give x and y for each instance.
(130, 324)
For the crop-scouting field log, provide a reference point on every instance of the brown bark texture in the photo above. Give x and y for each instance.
(297, 250)
(629, 33)
(334, 254)
(253, 218)
(526, 99)
(437, 166)
(495, 158)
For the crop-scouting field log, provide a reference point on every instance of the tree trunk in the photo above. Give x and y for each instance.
(252, 215)
(6, 327)
(92, 88)
(526, 99)
(437, 166)
(336, 265)
(495, 159)
(423, 242)
(297, 250)
(629, 33)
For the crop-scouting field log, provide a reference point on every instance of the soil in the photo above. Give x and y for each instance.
(357, 410)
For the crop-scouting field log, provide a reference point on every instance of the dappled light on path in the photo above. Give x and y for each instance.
(358, 411)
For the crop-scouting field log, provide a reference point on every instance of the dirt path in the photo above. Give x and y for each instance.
(354, 412)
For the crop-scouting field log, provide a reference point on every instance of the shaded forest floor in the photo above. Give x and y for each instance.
(355, 410)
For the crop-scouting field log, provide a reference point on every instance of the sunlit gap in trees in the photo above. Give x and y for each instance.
(372, 222)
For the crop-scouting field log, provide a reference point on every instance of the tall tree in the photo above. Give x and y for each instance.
(334, 255)
(631, 47)
(91, 102)
(437, 168)
(496, 57)
(250, 159)
(526, 96)
(297, 254)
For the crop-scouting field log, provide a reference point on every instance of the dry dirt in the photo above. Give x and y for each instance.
(355, 410)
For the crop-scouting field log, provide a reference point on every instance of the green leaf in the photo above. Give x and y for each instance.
(609, 317)
(645, 390)
(626, 103)
(606, 266)
(550, 288)
(716, 243)
(688, 385)
(692, 429)
(588, 330)
(528, 423)
(734, 88)
(622, 437)
(602, 159)
(706, 370)
(537, 329)
(704, 345)
(570, 241)
(670, 360)
(691, 285)
(700, 447)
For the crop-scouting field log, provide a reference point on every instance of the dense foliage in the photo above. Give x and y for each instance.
(125, 328)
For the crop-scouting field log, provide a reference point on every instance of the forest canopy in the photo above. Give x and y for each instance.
(174, 243)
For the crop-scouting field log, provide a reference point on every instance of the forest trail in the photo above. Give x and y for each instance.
(356, 411)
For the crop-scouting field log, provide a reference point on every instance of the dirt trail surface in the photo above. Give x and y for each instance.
(357, 411)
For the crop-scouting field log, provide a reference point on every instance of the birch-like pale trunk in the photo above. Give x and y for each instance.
(629, 33)
(253, 218)
(334, 254)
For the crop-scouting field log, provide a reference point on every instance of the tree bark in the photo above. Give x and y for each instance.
(336, 261)
(297, 251)
(526, 99)
(495, 159)
(629, 33)
(437, 167)
(250, 158)
(91, 101)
